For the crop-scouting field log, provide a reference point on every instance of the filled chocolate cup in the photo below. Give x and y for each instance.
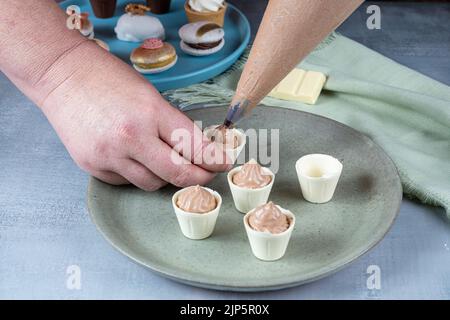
(251, 189)
(196, 212)
(265, 245)
(229, 145)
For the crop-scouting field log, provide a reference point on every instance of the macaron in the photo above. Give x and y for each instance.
(153, 56)
(201, 38)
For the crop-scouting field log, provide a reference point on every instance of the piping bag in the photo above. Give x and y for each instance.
(289, 30)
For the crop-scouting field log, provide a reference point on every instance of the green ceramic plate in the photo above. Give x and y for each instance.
(326, 238)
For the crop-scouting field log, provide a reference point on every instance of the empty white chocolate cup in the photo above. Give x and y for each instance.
(232, 153)
(245, 199)
(269, 246)
(197, 225)
(318, 175)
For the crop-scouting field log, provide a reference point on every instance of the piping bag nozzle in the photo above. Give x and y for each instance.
(236, 111)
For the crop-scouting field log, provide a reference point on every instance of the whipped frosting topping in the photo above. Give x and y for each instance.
(268, 218)
(251, 176)
(196, 199)
(225, 136)
(206, 5)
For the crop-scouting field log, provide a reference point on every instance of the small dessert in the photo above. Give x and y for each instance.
(251, 176)
(250, 185)
(153, 56)
(197, 200)
(232, 140)
(206, 10)
(80, 21)
(159, 6)
(269, 228)
(318, 175)
(201, 38)
(268, 218)
(197, 209)
(135, 26)
(225, 137)
(102, 44)
(103, 8)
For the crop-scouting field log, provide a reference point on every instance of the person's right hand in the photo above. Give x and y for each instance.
(118, 128)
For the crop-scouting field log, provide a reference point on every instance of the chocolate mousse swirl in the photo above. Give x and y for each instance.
(196, 200)
(225, 136)
(268, 218)
(251, 176)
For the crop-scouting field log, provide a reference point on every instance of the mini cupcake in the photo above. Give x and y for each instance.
(135, 26)
(318, 175)
(103, 8)
(232, 140)
(250, 185)
(206, 10)
(197, 209)
(153, 56)
(269, 228)
(201, 38)
(159, 6)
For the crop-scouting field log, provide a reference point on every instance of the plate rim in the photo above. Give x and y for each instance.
(187, 278)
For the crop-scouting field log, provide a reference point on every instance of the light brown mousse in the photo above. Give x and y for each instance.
(251, 176)
(268, 218)
(196, 199)
(225, 136)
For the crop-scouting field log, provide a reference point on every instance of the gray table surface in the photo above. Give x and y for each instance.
(45, 228)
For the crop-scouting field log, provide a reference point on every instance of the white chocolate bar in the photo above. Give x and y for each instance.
(300, 85)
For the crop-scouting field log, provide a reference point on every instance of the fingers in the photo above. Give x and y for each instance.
(135, 173)
(110, 177)
(166, 163)
(178, 131)
(139, 175)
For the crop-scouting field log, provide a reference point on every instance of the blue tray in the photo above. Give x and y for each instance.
(189, 69)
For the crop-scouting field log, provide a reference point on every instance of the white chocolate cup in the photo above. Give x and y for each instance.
(245, 199)
(232, 153)
(318, 175)
(269, 246)
(197, 226)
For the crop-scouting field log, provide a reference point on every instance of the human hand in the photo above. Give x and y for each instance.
(118, 128)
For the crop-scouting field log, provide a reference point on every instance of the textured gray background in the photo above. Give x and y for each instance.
(44, 226)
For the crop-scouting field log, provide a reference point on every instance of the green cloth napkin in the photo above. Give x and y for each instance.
(405, 112)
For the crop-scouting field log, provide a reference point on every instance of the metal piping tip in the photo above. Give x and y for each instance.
(236, 112)
(226, 124)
